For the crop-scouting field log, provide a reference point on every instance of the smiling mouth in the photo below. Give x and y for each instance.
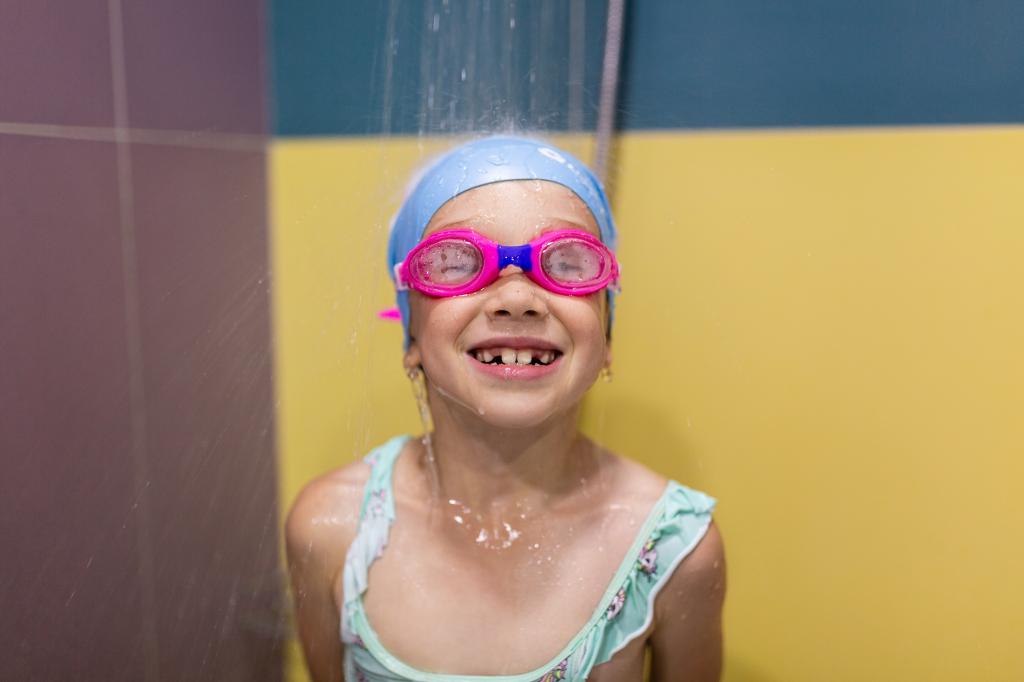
(515, 356)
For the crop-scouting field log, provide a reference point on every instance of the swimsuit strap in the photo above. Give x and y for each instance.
(375, 517)
(684, 520)
(377, 497)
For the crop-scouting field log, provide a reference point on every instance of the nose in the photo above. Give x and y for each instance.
(515, 297)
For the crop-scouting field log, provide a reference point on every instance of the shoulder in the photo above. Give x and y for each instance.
(322, 523)
(699, 577)
(688, 614)
(634, 481)
(324, 518)
(701, 572)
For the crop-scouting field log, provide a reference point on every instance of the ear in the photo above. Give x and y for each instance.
(413, 359)
(608, 355)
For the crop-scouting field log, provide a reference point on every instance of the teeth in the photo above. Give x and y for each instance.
(511, 356)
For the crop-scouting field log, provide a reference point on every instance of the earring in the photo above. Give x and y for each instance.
(419, 391)
(606, 374)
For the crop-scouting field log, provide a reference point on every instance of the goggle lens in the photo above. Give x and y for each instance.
(574, 262)
(447, 263)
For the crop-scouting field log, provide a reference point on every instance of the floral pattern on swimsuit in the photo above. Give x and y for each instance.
(377, 506)
(618, 601)
(647, 562)
(556, 673)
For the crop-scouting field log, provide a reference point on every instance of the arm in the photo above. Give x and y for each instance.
(686, 644)
(319, 529)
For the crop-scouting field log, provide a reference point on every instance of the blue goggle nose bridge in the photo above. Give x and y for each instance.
(514, 255)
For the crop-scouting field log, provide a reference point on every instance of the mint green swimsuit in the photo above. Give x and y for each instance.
(673, 528)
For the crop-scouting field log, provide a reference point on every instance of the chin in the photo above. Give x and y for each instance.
(509, 420)
(518, 412)
(512, 405)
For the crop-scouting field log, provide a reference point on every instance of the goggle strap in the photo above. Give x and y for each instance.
(400, 284)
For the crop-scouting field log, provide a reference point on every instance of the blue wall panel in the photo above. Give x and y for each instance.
(687, 64)
(371, 67)
(741, 63)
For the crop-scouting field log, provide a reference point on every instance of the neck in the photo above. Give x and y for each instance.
(493, 470)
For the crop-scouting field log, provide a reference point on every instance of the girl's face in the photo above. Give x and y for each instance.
(551, 347)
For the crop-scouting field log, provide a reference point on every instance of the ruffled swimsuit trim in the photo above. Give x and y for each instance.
(676, 523)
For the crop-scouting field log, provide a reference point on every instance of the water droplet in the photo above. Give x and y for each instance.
(513, 534)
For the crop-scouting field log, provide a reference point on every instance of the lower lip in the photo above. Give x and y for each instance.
(517, 372)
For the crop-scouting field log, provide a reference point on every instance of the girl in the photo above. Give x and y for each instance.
(503, 545)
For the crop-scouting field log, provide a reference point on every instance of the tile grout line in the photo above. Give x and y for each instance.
(133, 337)
(209, 139)
(172, 138)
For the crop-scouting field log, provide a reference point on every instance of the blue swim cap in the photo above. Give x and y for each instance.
(482, 162)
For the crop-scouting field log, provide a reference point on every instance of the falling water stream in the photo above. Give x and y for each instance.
(455, 70)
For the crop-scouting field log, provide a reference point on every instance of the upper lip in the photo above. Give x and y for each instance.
(516, 342)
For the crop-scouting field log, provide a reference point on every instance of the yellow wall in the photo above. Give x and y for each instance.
(823, 329)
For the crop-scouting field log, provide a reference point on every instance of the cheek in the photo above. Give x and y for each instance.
(438, 320)
(599, 305)
(587, 321)
(422, 315)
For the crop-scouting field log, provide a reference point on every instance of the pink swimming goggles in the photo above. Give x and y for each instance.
(457, 262)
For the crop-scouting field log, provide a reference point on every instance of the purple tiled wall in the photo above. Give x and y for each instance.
(171, 47)
(70, 533)
(138, 520)
(55, 63)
